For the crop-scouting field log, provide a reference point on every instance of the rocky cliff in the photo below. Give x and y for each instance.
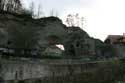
(21, 31)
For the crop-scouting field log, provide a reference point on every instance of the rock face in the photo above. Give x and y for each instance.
(24, 32)
(79, 43)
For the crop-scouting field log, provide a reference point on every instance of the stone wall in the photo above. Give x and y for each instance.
(22, 70)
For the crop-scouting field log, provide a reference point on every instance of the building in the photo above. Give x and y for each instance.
(53, 51)
(118, 43)
(115, 39)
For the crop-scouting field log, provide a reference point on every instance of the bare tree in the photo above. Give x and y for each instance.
(10, 5)
(82, 21)
(32, 6)
(70, 20)
(53, 12)
(2, 4)
(17, 5)
(39, 11)
(75, 20)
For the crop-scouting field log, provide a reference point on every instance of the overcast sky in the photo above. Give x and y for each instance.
(103, 17)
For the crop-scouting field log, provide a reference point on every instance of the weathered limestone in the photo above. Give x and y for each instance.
(51, 32)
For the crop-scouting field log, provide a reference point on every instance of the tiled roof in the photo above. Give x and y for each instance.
(116, 39)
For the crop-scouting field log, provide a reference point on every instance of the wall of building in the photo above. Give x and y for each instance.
(120, 48)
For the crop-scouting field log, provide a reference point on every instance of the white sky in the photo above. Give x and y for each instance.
(103, 17)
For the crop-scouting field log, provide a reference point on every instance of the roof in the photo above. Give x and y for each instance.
(115, 39)
(54, 47)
